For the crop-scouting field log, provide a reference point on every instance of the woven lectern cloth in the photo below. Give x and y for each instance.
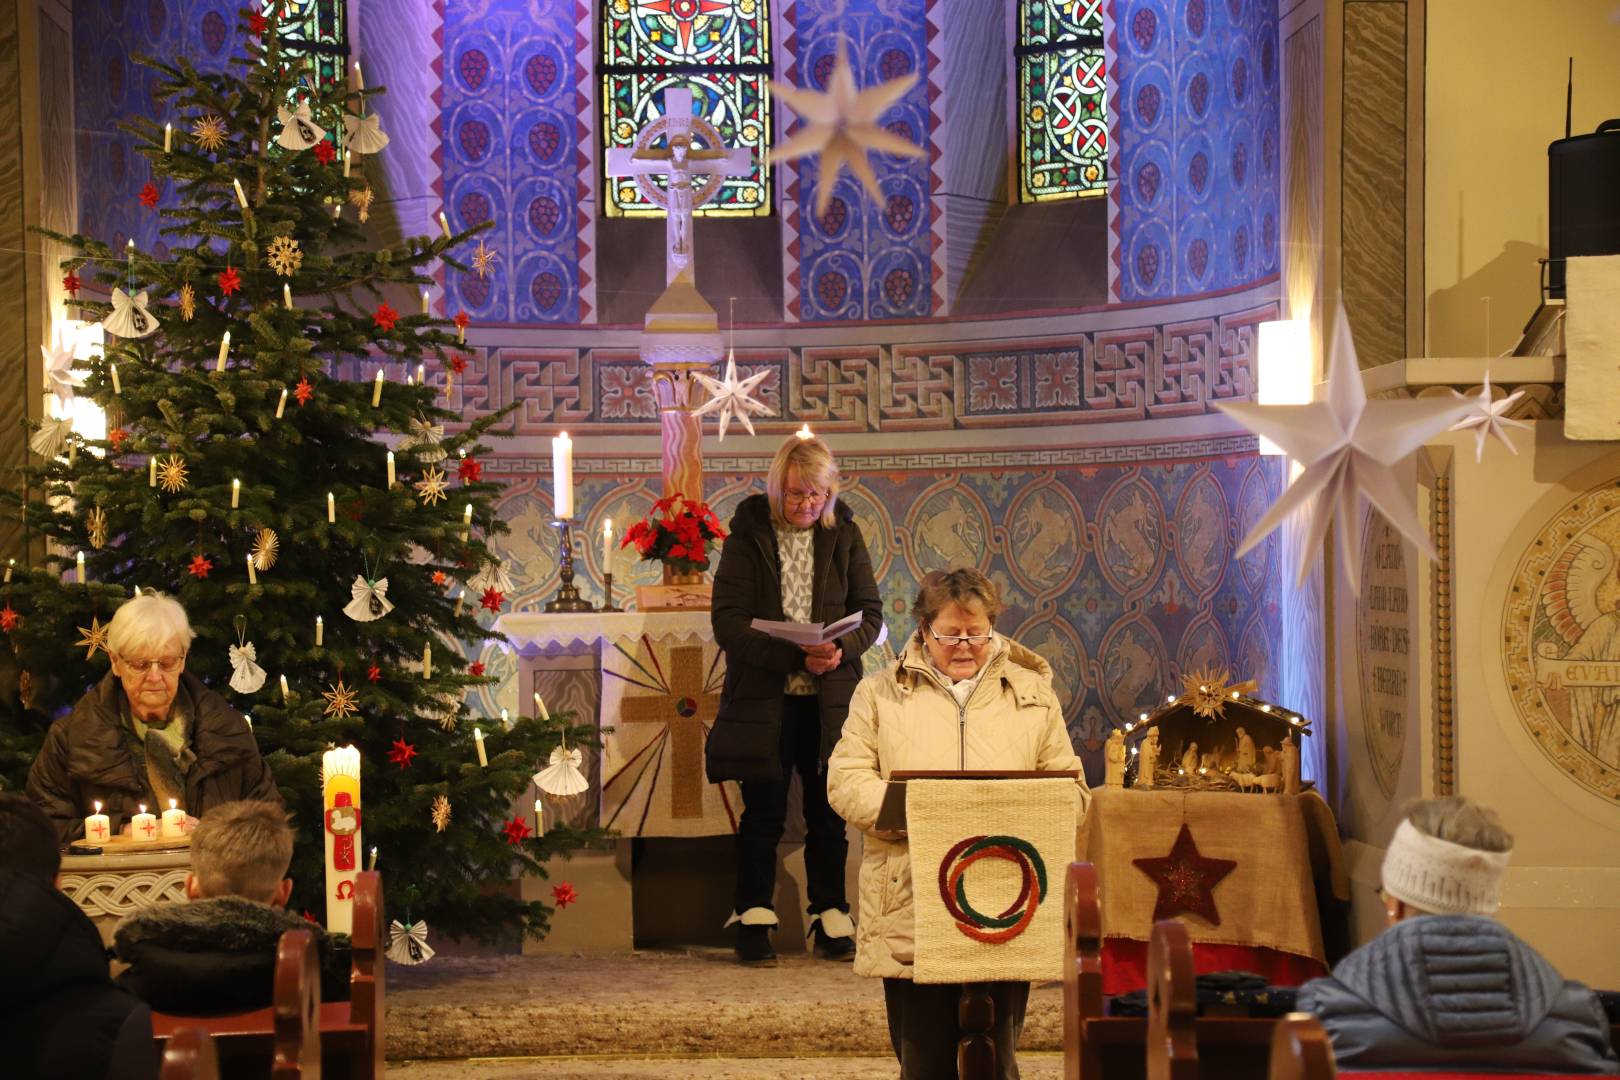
(1267, 901)
(1006, 846)
(1592, 340)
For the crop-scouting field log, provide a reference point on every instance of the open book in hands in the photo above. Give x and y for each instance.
(810, 633)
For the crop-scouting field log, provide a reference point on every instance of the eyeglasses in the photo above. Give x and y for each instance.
(804, 498)
(951, 641)
(168, 664)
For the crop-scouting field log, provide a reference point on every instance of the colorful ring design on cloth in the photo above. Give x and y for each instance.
(1032, 890)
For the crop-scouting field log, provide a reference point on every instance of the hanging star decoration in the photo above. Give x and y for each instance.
(458, 363)
(402, 753)
(439, 577)
(483, 259)
(1186, 880)
(462, 320)
(229, 281)
(92, 637)
(476, 668)
(374, 673)
(188, 302)
(1489, 419)
(266, 546)
(303, 391)
(470, 470)
(360, 199)
(1349, 448)
(564, 894)
(60, 378)
(385, 318)
(431, 488)
(284, 256)
(732, 396)
(340, 700)
(172, 473)
(492, 599)
(9, 618)
(71, 283)
(441, 813)
(200, 566)
(149, 196)
(1207, 692)
(116, 438)
(257, 23)
(209, 133)
(517, 830)
(842, 124)
(325, 152)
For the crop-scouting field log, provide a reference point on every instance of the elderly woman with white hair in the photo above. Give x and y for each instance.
(147, 733)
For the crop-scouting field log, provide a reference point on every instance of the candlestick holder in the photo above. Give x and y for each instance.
(567, 598)
(607, 583)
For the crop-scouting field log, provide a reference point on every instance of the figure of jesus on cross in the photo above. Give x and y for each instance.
(695, 160)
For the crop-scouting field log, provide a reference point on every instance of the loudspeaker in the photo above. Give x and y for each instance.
(1583, 192)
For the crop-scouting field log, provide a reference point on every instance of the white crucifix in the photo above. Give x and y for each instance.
(691, 149)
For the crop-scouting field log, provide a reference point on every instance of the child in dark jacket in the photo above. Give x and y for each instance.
(217, 953)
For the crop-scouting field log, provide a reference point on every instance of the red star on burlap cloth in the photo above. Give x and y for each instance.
(402, 753)
(1186, 880)
(564, 894)
(517, 830)
(229, 280)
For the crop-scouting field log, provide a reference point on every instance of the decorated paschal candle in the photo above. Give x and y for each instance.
(340, 794)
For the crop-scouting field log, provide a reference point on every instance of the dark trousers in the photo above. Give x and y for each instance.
(924, 1032)
(764, 818)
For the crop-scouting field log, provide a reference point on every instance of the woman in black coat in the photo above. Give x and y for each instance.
(794, 554)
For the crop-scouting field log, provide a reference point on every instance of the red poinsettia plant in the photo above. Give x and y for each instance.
(676, 532)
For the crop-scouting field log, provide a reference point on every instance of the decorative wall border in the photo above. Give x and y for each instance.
(1441, 617)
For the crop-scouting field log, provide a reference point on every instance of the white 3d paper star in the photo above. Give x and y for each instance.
(843, 125)
(1349, 447)
(60, 378)
(1489, 419)
(731, 396)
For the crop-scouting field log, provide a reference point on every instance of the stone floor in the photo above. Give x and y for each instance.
(691, 1012)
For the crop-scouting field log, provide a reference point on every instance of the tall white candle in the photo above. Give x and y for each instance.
(241, 196)
(96, 826)
(376, 389)
(286, 295)
(607, 545)
(143, 826)
(224, 350)
(390, 468)
(331, 509)
(236, 493)
(478, 739)
(151, 471)
(320, 631)
(80, 567)
(281, 405)
(112, 369)
(253, 571)
(444, 224)
(340, 796)
(427, 660)
(174, 822)
(168, 137)
(562, 468)
(424, 301)
(540, 707)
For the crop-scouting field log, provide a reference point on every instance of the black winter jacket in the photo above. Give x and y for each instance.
(86, 757)
(745, 741)
(61, 1017)
(217, 955)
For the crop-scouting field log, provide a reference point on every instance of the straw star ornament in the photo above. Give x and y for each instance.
(731, 396)
(92, 637)
(1349, 448)
(1489, 419)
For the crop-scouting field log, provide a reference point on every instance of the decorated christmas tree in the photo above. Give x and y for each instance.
(279, 458)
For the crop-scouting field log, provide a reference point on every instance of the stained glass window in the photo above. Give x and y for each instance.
(1062, 99)
(318, 29)
(721, 51)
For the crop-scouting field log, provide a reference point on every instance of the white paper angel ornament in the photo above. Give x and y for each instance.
(365, 133)
(129, 317)
(246, 674)
(424, 438)
(407, 942)
(370, 599)
(562, 778)
(51, 437)
(299, 131)
(490, 576)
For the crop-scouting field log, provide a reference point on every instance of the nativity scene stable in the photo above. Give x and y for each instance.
(427, 353)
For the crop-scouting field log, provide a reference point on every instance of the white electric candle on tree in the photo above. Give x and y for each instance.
(562, 468)
(112, 370)
(331, 509)
(371, 864)
(424, 301)
(461, 598)
(506, 720)
(168, 137)
(427, 660)
(241, 196)
(444, 223)
(320, 631)
(376, 389)
(390, 468)
(340, 795)
(151, 471)
(11, 564)
(253, 571)
(285, 693)
(286, 295)
(174, 822)
(540, 707)
(143, 826)
(224, 350)
(281, 405)
(79, 566)
(96, 826)
(478, 740)
(466, 522)
(236, 493)
(359, 80)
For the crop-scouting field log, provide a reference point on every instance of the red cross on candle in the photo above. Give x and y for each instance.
(149, 829)
(100, 831)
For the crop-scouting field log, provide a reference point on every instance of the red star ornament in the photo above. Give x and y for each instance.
(385, 318)
(461, 320)
(200, 565)
(257, 23)
(324, 152)
(517, 830)
(564, 894)
(116, 438)
(374, 673)
(303, 391)
(72, 283)
(458, 363)
(493, 599)
(474, 668)
(1186, 880)
(229, 280)
(149, 196)
(439, 577)
(470, 470)
(9, 618)
(402, 753)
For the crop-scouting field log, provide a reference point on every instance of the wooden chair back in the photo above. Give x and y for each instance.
(295, 1052)
(1082, 966)
(1172, 1045)
(366, 973)
(190, 1055)
(1300, 1050)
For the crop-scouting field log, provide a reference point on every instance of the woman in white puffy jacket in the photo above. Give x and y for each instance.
(961, 696)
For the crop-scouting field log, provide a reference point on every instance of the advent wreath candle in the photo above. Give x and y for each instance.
(143, 826)
(340, 794)
(96, 826)
(174, 821)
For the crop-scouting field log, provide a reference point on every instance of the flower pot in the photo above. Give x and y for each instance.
(673, 576)
(681, 591)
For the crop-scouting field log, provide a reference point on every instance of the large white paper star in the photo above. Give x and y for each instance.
(1349, 447)
(730, 396)
(843, 125)
(60, 378)
(1489, 419)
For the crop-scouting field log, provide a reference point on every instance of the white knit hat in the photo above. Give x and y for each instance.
(1442, 877)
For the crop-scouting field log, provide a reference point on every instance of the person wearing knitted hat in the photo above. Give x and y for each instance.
(1447, 986)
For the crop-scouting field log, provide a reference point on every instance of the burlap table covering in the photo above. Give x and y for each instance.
(1029, 830)
(1267, 901)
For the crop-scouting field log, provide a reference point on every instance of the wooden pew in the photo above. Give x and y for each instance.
(1300, 1050)
(1099, 1047)
(346, 1036)
(190, 1055)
